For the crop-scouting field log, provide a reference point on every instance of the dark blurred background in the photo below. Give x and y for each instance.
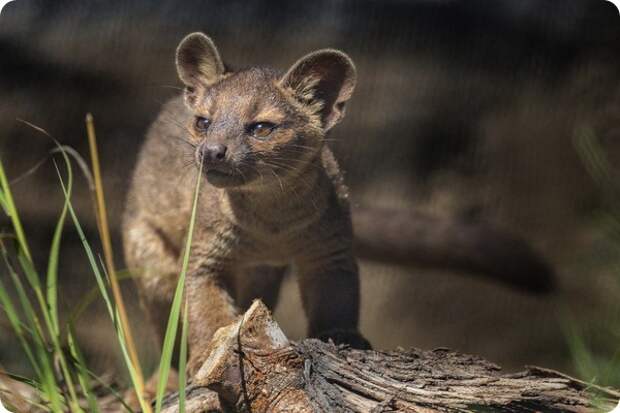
(464, 108)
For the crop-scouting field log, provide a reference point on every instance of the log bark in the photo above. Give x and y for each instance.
(252, 367)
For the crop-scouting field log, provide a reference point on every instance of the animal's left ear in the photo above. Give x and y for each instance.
(323, 81)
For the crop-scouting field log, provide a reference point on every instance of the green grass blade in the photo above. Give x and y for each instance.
(29, 271)
(16, 324)
(100, 282)
(9, 207)
(183, 361)
(92, 294)
(27, 265)
(111, 390)
(25, 380)
(132, 371)
(52, 302)
(3, 203)
(52, 266)
(31, 317)
(49, 309)
(82, 373)
(120, 333)
(58, 353)
(45, 363)
(173, 320)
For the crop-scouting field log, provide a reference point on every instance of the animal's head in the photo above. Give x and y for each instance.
(257, 126)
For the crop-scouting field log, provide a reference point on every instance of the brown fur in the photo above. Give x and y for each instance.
(273, 202)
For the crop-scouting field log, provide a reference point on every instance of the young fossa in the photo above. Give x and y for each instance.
(272, 195)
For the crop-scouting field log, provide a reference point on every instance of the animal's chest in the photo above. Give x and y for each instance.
(250, 239)
(268, 248)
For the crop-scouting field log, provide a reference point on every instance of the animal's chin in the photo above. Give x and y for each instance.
(223, 179)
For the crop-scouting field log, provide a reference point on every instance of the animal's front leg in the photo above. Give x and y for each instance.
(210, 306)
(329, 288)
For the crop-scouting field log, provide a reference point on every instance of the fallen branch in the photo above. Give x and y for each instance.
(253, 367)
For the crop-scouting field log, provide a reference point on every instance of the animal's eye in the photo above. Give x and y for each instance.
(261, 130)
(201, 124)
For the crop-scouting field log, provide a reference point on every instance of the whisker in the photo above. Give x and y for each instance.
(186, 168)
(279, 180)
(175, 122)
(237, 169)
(170, 87)
(299, 178)
(171, 119)
(255, 169)
(290, 189)
(292, 168)
(303, 163)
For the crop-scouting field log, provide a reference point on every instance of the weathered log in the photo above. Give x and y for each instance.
(253, 367)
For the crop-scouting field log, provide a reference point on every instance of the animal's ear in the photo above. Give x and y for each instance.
(198, 61)
(323, 81)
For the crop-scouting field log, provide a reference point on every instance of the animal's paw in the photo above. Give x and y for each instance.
(352, 338)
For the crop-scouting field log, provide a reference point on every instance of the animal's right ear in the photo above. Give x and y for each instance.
(198, 61)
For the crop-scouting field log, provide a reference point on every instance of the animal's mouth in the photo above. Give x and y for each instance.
(220, 176)
(217, 173)
(217, 169)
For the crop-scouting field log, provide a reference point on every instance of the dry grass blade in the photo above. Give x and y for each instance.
(104, 232)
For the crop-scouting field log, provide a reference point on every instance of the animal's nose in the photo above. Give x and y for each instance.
(213, 152)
